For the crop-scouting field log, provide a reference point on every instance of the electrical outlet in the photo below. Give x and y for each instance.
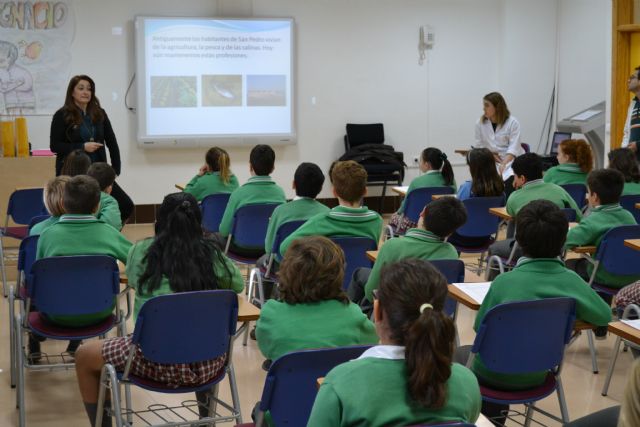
(415, 162)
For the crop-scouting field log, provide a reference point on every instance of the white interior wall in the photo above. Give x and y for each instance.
(359, 59)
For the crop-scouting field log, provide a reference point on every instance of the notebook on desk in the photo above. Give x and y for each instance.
(478, 291)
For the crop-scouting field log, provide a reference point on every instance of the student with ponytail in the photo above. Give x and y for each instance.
(575, 162)
(213, 177)
(437, 172)
(409, 378)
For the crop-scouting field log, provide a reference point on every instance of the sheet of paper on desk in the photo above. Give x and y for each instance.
(477, 291)
(633, 323)
(586, 115)
(402, 189)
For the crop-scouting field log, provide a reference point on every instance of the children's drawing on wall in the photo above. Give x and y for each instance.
(16, 82)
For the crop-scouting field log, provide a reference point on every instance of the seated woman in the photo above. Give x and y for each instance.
(409, 378)
(485, 181)
(152, 270)
(313, 310)
(575, 162)
(624, 160)
(437, 172)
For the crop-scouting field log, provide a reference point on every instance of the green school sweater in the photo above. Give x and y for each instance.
(109, 211)
(339, 221)
(416, 243)
(568, 173)
(590, 232)
(136, 266)
(43, 225)
(373, 391)
(82, 235)
(631, 188)
(535, 279)
(300, 208)
(210, 183)
(536, 190)
(284, 328)
(258, 189)
(429, 179)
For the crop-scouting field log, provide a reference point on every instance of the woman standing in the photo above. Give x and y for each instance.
(81, 124)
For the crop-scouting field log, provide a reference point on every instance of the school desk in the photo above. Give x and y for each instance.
(633, 244)
(180, 186)
(401, 190)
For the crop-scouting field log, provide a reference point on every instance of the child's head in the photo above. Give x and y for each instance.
(8, 54)
(81, 195)
(408, 311)
(434, 159)
(576, 151)
(104, 174)
(54, 194)
(184, 206)
(349, 181)
(312, 270)
(444, 216)
(217, 160)
(624, 160)
(262, 159)
(485, 180)
(605, 186)
(308, 180)
(541, 229)
(527, 167)
(76, 163)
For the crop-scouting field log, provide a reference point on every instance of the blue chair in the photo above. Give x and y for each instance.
(446, 424)
(179, 328)
(549, 325)
(570, 214)
(291, 384)
(249, 229)
(37, 219)
(355, 254)
(23, 205)
(415, 202)
(453, 271)
(578, 192)
(629, 203)
(632, 311)
(66, 286)
(212, 208)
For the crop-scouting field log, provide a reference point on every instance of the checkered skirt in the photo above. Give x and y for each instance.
(116, 352)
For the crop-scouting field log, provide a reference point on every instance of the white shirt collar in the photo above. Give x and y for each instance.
(393, 352)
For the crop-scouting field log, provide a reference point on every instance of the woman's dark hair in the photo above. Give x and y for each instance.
(624, 160)
(438, 161)
(179, 251)
(218, 161)
(312, 270)
(485, 180)
(76, 163)
(73, 113)
(498, 102)
(426, 332)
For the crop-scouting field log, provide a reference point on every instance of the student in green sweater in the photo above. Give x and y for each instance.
(260, 188)
(76, 163)
(109, 210)
(410, 378)
(53, 194)
(438, 220)
(437, 172)
(153, 270)
(604, 189)
(575, 162)
(213, 177)
(541, 229)
(349, 218)
(624, 160)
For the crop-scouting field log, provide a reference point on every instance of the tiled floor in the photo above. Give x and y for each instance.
(53, 399)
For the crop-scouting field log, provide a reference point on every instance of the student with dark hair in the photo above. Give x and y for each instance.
(152, 270)
(53, 195)
(631, 131)
(438, 220)
(409, 378)
(485, 181)
(624, 160)
(214, 176)
(437, 172)
(109, 210)
(575, 161)
(76, 163)
(541, 229)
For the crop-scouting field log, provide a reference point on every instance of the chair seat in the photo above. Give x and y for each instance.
(39, 324)
(520, 396)
(245, 425)
(152, 385)
(241, 259)
(479, 248)
(19, 232)
(605, 289)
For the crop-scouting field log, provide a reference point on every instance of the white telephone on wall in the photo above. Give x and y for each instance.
(426, 41)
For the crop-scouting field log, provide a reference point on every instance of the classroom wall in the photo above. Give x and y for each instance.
(359, 59)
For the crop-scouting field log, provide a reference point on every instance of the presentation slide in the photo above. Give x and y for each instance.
(202, 80)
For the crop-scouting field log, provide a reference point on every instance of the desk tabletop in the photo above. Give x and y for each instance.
(401, 190)
(584, 249)
(463, 298)
(625, 331)
(462, 152)
(180, 186)
(500, 212)
(372, 255)
(637, 205)
(633, 244)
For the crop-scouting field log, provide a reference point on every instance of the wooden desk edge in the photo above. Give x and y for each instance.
(633, 244)
(180, 186)
(624, 331)
(500, 212)
(584, 249)
(372, 255)
(463, 298)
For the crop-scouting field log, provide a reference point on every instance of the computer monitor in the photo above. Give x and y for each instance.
(558, 137)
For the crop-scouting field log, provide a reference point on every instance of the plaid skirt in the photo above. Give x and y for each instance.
(630, 294)
(116, 351)
(401, 223)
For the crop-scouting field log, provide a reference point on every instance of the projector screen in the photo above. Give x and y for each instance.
(203, 81)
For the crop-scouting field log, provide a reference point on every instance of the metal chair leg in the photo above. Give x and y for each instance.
(12, 337)
(562, 401)
(234, 392)
(3, 268)
(592, 350)
(612, 365)
(528, 414)
(20, 372)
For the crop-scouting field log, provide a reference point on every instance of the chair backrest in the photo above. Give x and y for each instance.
(355, 254)
(614, 256)
(179, 328)
(453, 271)
(525, 147)
(250, 223)
(291, 384)
(284, 231)
(358, 134)
(25, 204)
(420, 197)
(445, 424)
(74, 285)
(212, 208)
(548, 324)
(27, 255)
(480, 223)
(38, 219)
(629, 203)
(570, 214)
(577, 192)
